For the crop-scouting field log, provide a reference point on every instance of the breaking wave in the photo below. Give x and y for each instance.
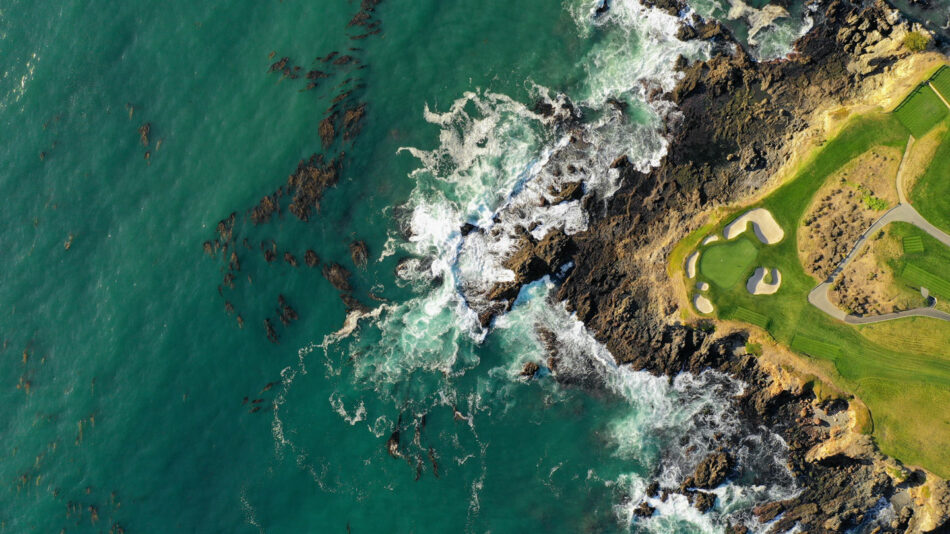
(498, 171)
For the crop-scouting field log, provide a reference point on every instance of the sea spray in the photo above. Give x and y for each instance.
(498, 166)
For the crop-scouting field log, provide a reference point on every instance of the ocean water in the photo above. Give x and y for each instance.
(134, 402)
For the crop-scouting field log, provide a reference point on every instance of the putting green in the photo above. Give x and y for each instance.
(727, 263)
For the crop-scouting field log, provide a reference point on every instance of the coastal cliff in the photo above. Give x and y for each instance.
(741, 124)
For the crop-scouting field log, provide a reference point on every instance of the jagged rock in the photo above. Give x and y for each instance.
(144, 130)
(703, 501)
(711, 472)
(289, 258)
(271, 333)
(337, 275)
(353, 304)
(359, 253)
(530, 369)
(311, 259)
(644, 510)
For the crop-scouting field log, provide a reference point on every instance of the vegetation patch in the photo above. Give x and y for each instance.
(916, 41)
(913, 244)
(921, 111)
(726, 263)
(941, 81)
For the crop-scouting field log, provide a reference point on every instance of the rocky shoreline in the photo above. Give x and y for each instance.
(739, 124)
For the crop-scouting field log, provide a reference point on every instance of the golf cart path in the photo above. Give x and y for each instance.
(903, 212)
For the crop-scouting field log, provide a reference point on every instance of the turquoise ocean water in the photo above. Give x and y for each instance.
(129, 393)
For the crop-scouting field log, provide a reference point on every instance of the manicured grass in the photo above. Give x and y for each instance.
(725, 263)
(815, 347)
(931, 194)
(751, 317)
(934, 283)
(913, 244)
(921, 111)
(928, 267)
(906, 391)
(941, 80)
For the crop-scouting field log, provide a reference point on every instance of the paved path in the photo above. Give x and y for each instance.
(903, 212)
(938, 94)
(900, 174)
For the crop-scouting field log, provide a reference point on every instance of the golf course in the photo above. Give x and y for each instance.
(899, 368)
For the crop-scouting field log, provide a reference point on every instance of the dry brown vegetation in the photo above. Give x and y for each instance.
(920, 156)
(841, 211)
(867, 285)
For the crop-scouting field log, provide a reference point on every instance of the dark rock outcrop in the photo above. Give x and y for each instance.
(737, 118)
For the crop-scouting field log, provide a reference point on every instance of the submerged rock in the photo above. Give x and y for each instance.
(359, 253)
(338, 276)
(311, 259)
(530, 369)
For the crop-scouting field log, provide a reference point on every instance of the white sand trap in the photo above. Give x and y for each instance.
(766, 229)
(702, 286)
(711, 239)
(757, 284)
(702, 304)
(691, 264)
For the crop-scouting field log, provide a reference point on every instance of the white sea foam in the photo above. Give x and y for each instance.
(498, 165)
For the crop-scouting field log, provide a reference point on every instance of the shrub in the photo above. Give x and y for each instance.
(916, 41)
(875, 203)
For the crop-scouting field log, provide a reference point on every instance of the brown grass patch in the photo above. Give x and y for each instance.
(840, 211)
(867, 285)
(920, 156)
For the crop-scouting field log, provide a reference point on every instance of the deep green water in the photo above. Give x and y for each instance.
(136, 373)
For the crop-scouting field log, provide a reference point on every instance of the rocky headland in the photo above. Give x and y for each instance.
(741, 125)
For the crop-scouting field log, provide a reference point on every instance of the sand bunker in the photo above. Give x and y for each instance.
(757, 284)
(702, 286)
(711, 239)
(702, 304)
(763, 224)
(691, 264)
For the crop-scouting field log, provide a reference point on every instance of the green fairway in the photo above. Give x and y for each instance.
(752, 317)
(934, 283)
(931, 194)
(941, 81)
(913, 244)
(921, 111)
(728, 262)
(815, 347)
(906, 391)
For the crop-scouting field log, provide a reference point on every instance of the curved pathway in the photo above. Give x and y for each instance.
(903, 212)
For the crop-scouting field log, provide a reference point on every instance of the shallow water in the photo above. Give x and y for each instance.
(135, 410)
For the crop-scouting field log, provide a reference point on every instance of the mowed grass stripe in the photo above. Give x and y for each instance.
(921, 111)
(941, 80)
(913, 244)
(751, 317)
(815, 347)
(919, 277)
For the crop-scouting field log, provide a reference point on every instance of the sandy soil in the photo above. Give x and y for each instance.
(839, 214)
(867, 285)
(763, 224)
(757, 284)
(711, 239)
(702, 286)
(702, 304)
